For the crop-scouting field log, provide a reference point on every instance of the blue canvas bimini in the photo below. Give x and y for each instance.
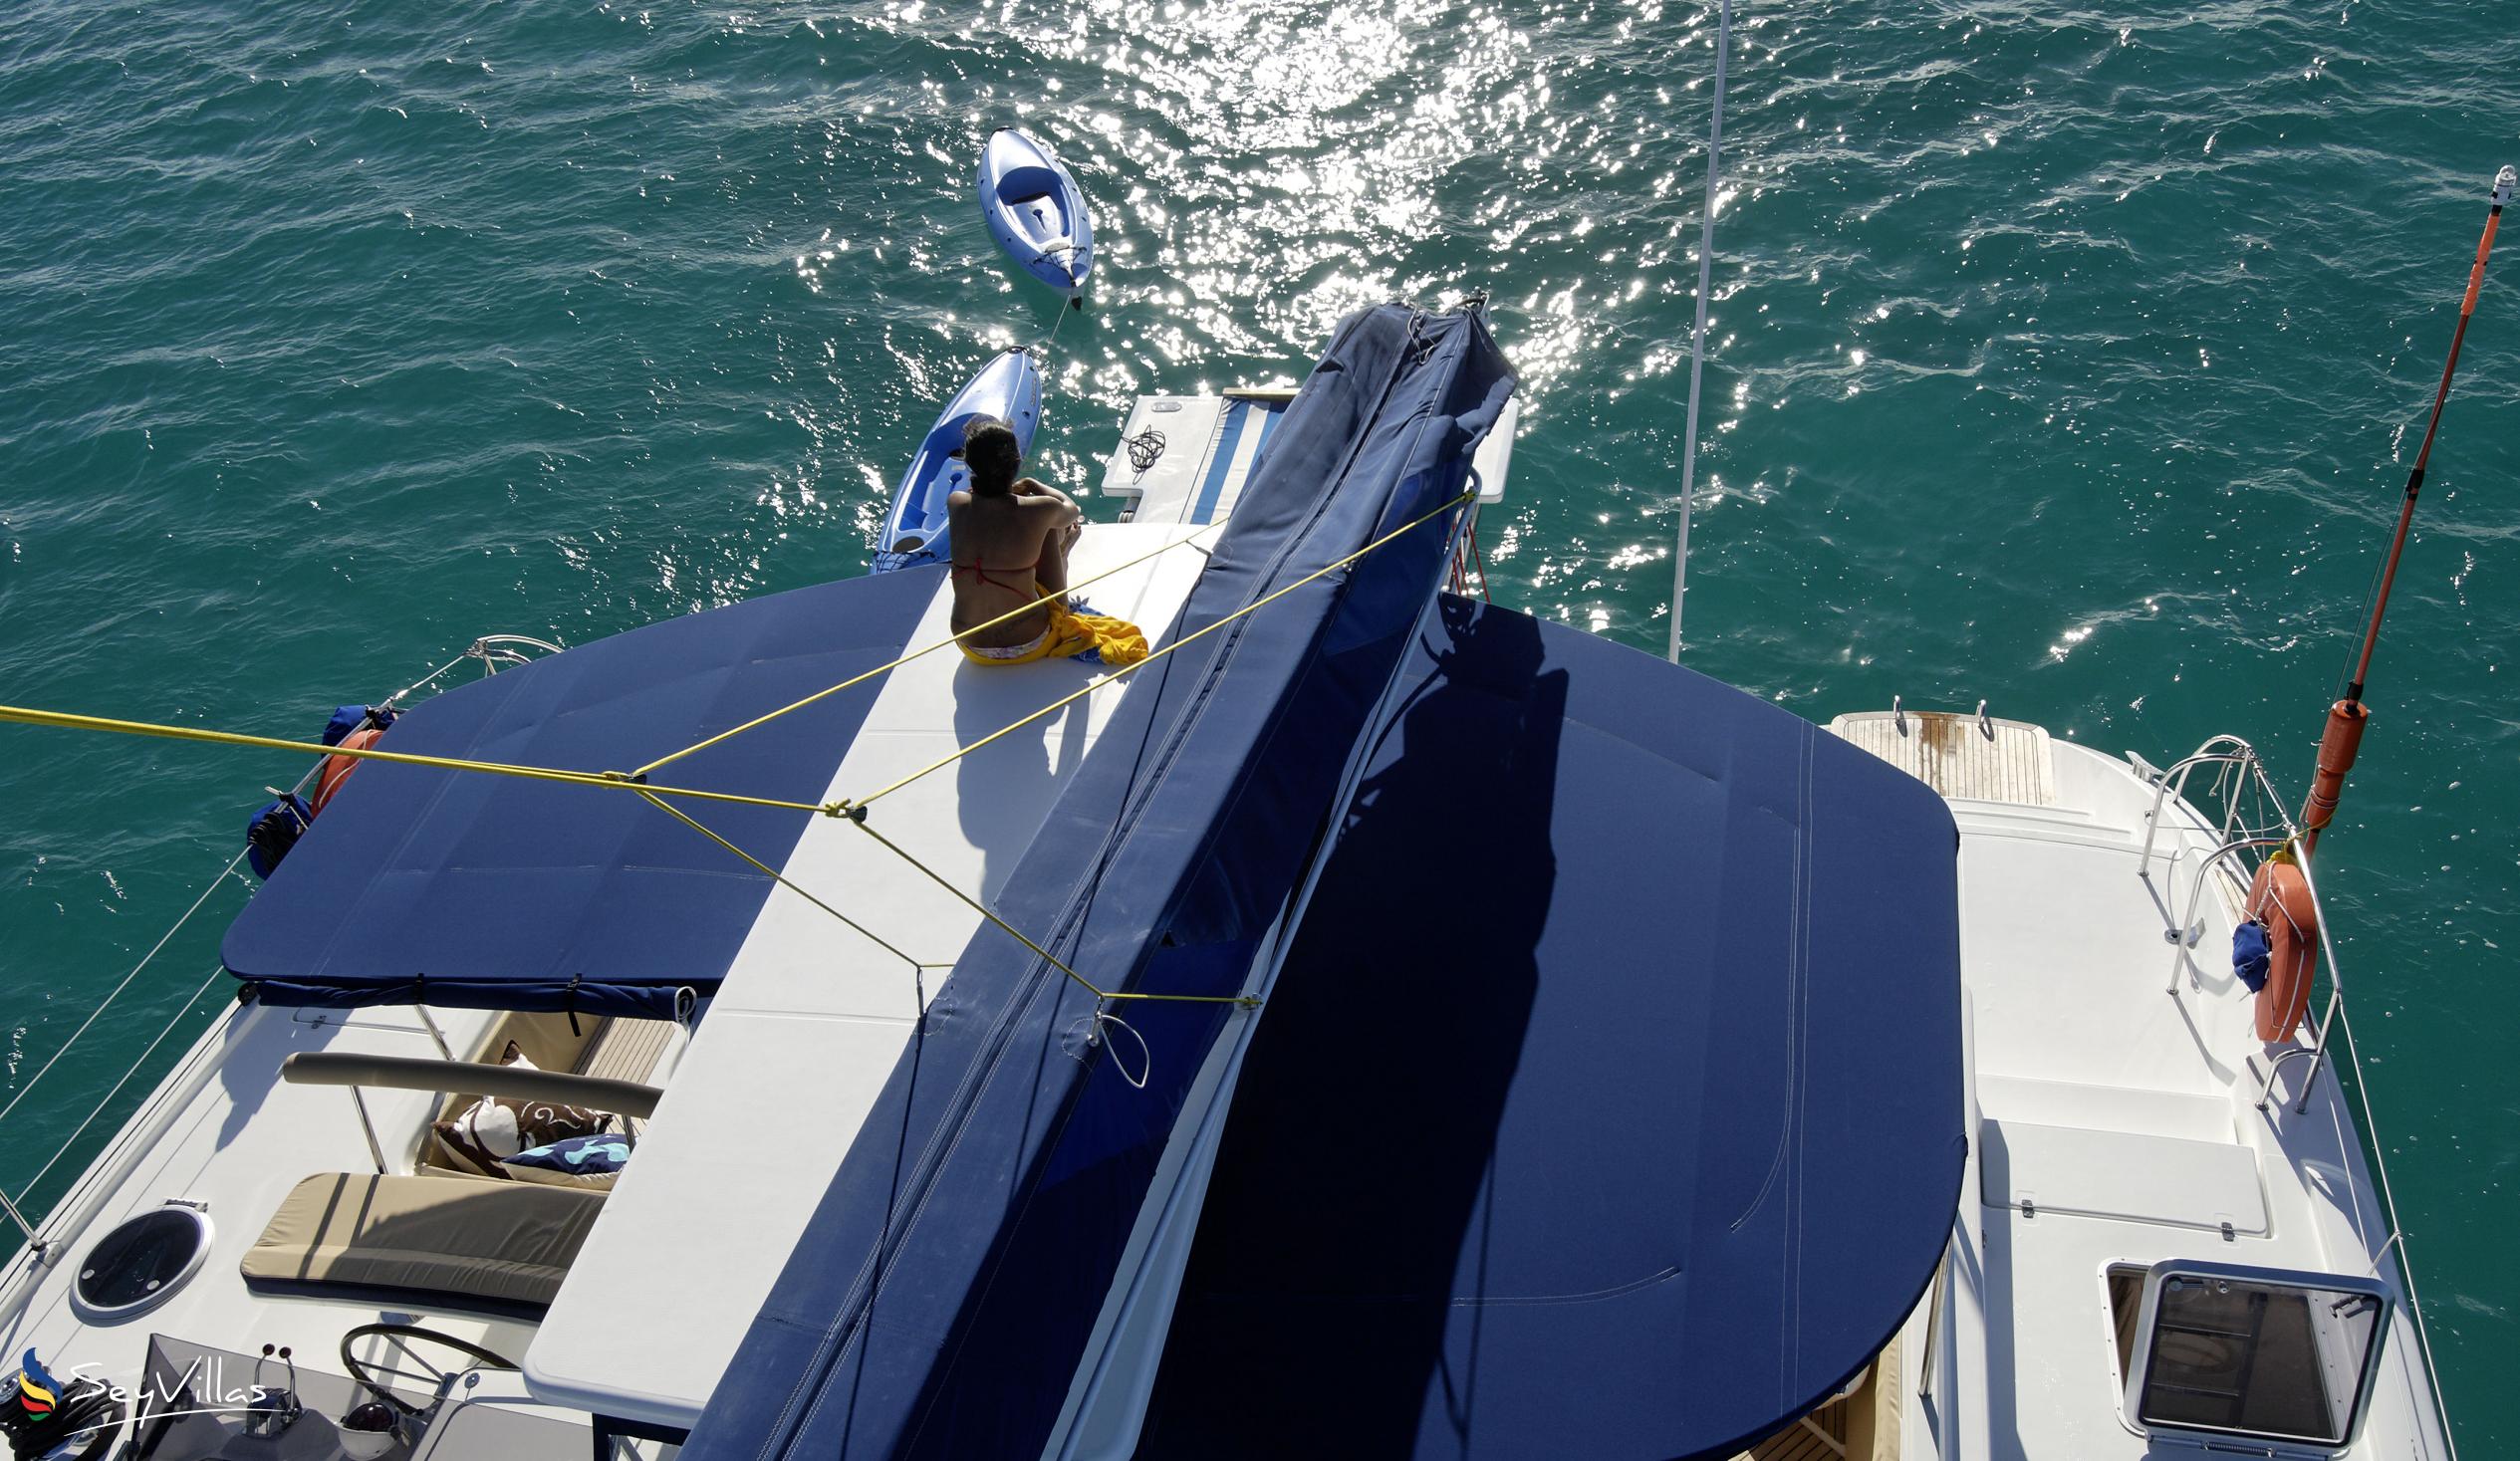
(945, 1289)
(487, 892)
(1610, 1101)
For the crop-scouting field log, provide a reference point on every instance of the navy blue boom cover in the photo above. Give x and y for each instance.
(1609, 1101)
(943, 1292)
(473, 891)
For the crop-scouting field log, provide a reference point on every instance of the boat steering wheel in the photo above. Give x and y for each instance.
(406, 1333)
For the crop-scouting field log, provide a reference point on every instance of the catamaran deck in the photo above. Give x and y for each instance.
(812, 1016)
(2115, 1125)
(226, 1134)
(763, 1099)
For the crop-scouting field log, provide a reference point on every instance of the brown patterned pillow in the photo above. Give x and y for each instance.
(494, 1127)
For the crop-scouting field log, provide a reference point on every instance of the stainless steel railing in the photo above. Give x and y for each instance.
(2254, 818)
(492, 651)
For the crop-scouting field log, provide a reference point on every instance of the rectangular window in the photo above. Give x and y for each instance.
(2254, 1352)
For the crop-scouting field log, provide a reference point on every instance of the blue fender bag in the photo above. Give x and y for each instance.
(2251, 955)
(348, 718)
(274, 831)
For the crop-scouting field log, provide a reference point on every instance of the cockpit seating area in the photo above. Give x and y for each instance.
(450, 1233)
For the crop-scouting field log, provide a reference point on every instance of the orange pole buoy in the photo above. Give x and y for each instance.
(2343, 739)
(2339, 744)
(2279, 895)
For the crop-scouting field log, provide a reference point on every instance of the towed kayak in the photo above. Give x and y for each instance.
(1036, 211)
(1009, 389)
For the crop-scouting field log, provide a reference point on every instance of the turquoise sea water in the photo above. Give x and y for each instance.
(2067, 357)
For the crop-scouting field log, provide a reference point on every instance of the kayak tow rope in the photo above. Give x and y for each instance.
(663, 797)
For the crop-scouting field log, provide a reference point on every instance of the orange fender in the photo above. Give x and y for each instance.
(2280, 899)
(337, 769)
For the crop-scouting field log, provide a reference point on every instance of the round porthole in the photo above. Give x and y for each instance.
(132, 1269)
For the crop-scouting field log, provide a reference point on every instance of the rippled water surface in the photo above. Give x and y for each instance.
(2069, 359)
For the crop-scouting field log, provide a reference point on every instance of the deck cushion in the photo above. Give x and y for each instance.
(452, 1239)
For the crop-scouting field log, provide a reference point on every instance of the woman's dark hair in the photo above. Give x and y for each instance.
(991, 451)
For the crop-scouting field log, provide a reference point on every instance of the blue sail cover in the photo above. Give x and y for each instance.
(1608, 1104)
(944, 1289)
(466, 891)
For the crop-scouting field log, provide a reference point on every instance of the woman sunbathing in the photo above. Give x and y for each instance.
(1011, 535)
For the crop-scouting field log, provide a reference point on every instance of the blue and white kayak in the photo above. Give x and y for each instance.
(1036, 211)
(1009, 389)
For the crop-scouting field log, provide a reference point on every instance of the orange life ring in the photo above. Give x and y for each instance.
(2280, 899)
(337, 769)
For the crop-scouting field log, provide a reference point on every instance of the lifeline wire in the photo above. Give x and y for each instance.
(216, 882)
(1698, 336)
(154, 949)
(63, 1146)
(2389, 1200)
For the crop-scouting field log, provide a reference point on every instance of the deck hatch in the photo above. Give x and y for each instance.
(2262, 1353)
(140, 1261)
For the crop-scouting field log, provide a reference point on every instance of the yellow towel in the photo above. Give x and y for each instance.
(1098, 638)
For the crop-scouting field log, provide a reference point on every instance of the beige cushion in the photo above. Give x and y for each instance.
(507, 1244)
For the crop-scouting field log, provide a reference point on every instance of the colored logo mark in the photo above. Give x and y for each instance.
(37, 1389)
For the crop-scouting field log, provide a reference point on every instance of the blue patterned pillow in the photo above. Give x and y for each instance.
(577, 1161)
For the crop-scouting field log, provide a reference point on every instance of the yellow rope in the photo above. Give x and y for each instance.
(784, 881)
(1246, 1000)
(852, 807)
(853, 810)
(945, 643)
(617, 780)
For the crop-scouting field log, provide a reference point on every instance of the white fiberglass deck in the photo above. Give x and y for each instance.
(812, 1016)
(223, 1131)
(2127, 1119)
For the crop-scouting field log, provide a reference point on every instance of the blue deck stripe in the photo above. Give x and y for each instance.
(1204, 511)
(1268, 422)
